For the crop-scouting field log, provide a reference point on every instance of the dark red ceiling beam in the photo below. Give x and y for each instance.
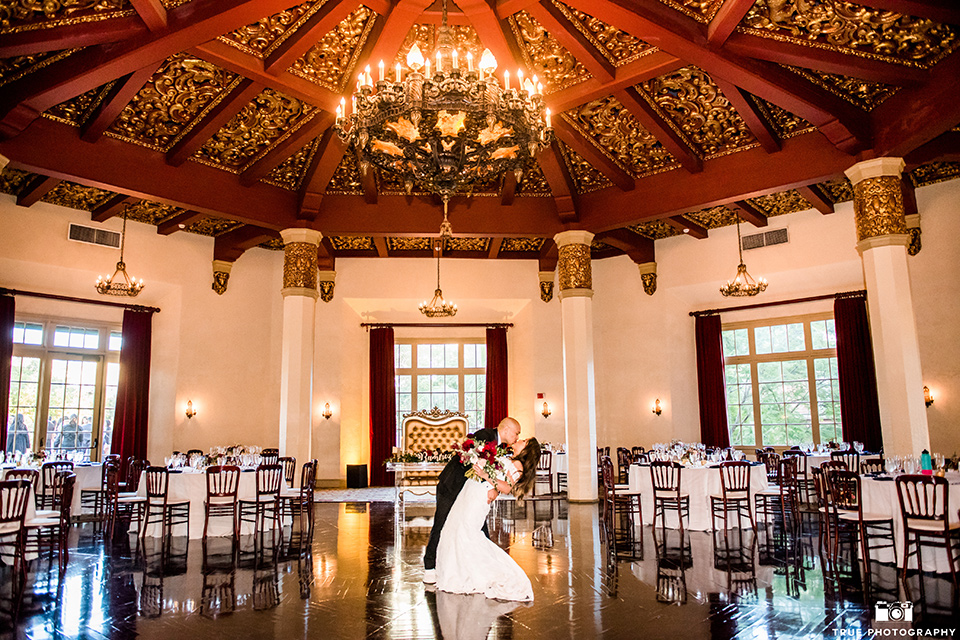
(638, 248)
(326, 259)
(572, 138)
(944, 148)
(325, 162)
(817, 197)
(36, 189)
(436, 17)
(309, 34)
(381, 245)
(749, 213)
(188, 25)
(561, 185)
(727, 18)
(645, 68)
(493, 32)
(557, 25)
(757, 124)
(494, 250)
(824, 60)
(84, 34)
(654, 122)
(909, 197)
(54, 149)
(932, 108)
(232, 244)
(398, 23)
(114, 206)
(687, 227)
(111, 106)
(508, 189)
(289, 146)
(368, 179)
(945, 11)
(226, 109)
(549, 256)
(152, 12)
(179, 222)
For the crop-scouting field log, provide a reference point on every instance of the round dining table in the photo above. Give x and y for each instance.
(699, 483)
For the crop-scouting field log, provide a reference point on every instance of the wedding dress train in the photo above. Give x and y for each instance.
(469, 562)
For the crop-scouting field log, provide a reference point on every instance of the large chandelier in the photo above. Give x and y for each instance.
(447, 128)
(120, 284)
(438, 307)
(743, 283)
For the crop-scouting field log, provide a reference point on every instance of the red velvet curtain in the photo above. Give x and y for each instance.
(133, 389)
(859, 405)
(495, 406)
(711, 388)
(383, 405)
(6, 359)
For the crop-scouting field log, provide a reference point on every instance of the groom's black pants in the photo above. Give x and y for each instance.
(444, 503)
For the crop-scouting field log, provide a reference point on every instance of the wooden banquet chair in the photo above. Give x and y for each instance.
(783, 496)
(624, 460)
(270, 456)
(49, 532)
(221, 501)
(846, 502)
(734, 494)
(871, 465)
(159, 507)
(266, 506)
(289, 469)
(300, 501)
(850, 457)
(14, 496)
(544, 471)
(48, 471)
(924, 508)
(667, 495)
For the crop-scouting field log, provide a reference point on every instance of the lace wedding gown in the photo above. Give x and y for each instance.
(469, 562)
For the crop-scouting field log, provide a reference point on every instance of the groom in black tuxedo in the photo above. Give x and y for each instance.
(449, 484)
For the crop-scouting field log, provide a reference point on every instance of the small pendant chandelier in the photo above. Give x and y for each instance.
(742, 284)
(120, 284)
(438, 307)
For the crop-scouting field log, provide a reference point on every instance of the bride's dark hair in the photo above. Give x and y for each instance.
(528, 458)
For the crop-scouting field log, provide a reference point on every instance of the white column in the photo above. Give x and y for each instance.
(576, 317)
(882, 240)
(296, 355)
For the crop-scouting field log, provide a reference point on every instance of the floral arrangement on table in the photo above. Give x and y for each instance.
(438, 456)
(487, 455)
(234, 451)
(36, 458)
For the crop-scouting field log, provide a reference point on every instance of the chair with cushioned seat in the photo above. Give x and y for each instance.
(924, 502)
(848, 516)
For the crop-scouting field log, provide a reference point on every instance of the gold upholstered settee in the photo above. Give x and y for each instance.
(433, 430)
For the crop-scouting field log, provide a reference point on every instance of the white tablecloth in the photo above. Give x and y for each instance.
(192, 486)
(31, 512)
(88, 477)
(559, 463)
(700, 483)
(880, 496)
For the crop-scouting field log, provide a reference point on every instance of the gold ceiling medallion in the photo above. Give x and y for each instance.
(120, 284)
(438, 307)
(450, 129)
(743, 283)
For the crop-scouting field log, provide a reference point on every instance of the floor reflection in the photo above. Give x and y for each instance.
(358, 576)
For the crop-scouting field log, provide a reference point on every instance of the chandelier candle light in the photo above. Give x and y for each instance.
(447, 129)
(742, 284)
(120, 284)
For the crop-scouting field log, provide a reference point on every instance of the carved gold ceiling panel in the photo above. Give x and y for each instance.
(18, 16)
(599, 245)
(178, 96)
(527, 245)
(346, 178)
(149, 212)
(491, 187)
(533, 183)
(852, 29)
(12, 181)
(544, 56)
(410, 244)
(423, 35)
(19, 66)
(863, 94)
(331, 62)
(76, 196)
(261, 38)
(173, 4)
(269, 119)
(586, 178)
(616, 133)
(75, 111)
(289, 174)
(786, 124)
(697, 110)
(778, 204)
(655, 230)
(839, 190)
(352, 243)
(467, 244)
(213, 226)
(935, 172)
(273, 244)
(619, 47)
(713, 217)
(699, 10)
(391, 184)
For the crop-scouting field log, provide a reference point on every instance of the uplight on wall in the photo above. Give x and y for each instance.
(190, 410)
(326, 411)
(657, 409)
(546, 410)
(927, 395)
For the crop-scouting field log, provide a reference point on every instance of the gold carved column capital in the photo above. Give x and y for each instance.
(878, 200)
(913, 228)
(300, 262)
(546, 285)
(221, 274)
(574, 269)
(326, 281)
(648, 276)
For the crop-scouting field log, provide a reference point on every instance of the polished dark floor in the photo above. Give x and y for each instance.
(359, 577)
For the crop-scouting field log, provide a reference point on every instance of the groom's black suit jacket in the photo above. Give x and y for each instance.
(453, 477)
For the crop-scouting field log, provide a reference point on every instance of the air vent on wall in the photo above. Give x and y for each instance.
(766, 239)
(92, 235)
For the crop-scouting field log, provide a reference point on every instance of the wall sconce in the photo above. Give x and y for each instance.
(927, 396)
(326, 411)
(546, 410)
(190, 410)
(657, 409)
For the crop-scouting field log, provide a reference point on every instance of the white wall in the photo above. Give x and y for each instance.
(223, 351)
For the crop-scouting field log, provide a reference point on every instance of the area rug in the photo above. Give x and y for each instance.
(370, 494)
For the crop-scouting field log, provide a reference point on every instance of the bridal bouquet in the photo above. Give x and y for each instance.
(487, 455)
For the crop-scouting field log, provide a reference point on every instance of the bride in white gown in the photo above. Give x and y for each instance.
(468, 561)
